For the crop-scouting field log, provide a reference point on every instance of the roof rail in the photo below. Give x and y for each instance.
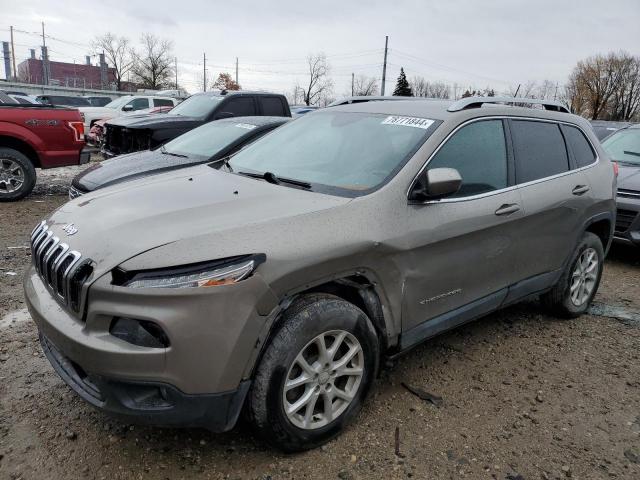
(477, 102)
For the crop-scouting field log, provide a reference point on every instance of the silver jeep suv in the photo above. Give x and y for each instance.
(274, 282)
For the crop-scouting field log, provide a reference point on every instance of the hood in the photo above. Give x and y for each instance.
(156, 122)
(98, 111)
(128, 167)
(117, 223)
(629, 177)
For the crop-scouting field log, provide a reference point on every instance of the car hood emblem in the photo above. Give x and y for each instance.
(70, 229)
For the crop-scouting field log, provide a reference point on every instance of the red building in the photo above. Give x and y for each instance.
(75, 75)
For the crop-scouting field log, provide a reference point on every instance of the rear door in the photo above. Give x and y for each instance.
(555, 196)
(237, 107)
(272, 106)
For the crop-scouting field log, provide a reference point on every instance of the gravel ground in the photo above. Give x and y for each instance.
(525, 396)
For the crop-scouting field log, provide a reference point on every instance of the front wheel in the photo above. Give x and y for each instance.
(577, 286)
(17, 175)
(314, 374)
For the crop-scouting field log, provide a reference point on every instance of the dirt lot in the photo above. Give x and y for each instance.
(525, 396)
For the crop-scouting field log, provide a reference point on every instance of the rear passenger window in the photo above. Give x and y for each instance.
(539, 150)
(479, 154)
(272, 106)
(579, 146)
(162, 102)
(240, 107)
(139, 103)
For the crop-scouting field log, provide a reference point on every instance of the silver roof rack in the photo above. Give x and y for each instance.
(477, 102)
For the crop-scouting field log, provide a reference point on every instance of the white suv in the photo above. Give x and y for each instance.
(123, 105)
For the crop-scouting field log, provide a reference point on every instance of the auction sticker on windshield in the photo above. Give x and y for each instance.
(408, 121)
(247, 126)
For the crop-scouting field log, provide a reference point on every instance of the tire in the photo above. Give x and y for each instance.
(309, 317)
(559, 299)
(15, 168)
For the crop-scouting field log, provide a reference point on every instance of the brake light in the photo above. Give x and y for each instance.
(78, 130)
(615, 168)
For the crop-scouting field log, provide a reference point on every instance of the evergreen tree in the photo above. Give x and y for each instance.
(403, 89)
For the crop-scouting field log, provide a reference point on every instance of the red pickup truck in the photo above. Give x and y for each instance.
(36, 136)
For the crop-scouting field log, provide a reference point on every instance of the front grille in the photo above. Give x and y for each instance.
(119, 140)
(61, 269)
(623, 192)
(624, 219)
(74, 192)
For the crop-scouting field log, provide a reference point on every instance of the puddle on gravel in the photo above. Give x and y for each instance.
(618, 312)
(15, 318)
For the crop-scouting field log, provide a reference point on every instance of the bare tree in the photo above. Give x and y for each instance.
(424, 88)
(117, 54)
(154, 63)
(365, 86)
(319, 84)
(626, 97)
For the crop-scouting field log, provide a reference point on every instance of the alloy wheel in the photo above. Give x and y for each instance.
(584, 277)
(11, 176)
(323, 379)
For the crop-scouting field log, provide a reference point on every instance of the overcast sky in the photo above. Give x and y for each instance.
(496, 43)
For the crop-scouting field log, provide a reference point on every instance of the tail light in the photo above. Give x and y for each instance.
(616, 168)
(78, 130)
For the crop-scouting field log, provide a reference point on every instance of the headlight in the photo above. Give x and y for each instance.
(209, 274)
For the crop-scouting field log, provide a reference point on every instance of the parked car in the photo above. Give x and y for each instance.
(207, 143)
(623, 146)
(35, 136)
(124, 105)
(279, 281)
(98, 101)
(25, 99)
(126, 135)
(604, 128)
(63, 101)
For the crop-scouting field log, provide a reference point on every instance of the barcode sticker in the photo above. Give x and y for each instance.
(247, 126)
(416, 122)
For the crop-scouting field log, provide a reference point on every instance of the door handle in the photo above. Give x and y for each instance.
(508, 209)
(580, 189)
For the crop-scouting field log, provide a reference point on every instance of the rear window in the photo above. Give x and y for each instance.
(272, 106)
(162, 102)
(539, 150)
(579, 145)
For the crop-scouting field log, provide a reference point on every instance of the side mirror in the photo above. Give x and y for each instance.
(435, 184)
(221, 115)
(127, 108)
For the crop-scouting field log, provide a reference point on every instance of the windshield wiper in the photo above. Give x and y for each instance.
(164, 151)
(627, 152)
(225, 162)
(273, 178)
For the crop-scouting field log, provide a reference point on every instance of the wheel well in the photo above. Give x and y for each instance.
(358, 290)
(601, 228)
(22, 147)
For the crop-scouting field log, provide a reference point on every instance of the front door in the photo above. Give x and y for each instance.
(462, 248)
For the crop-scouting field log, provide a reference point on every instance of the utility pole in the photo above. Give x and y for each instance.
(384, 66)
(237, 71)
(13, 57)
(204, 85)
(176, 59)
(517, 90)
(352, 76)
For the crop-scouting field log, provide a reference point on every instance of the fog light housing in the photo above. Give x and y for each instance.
(139, 332)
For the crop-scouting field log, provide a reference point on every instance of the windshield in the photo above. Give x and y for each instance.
(118, 102)
(342, 153)
(198, 106)
(624, 146)
(206, 141)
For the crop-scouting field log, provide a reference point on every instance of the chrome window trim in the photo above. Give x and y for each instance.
(512, 187)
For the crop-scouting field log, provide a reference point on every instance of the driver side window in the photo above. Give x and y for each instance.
(139, 103)
(478, 151)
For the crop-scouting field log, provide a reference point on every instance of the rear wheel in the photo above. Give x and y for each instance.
(314, 374)
(17, 175)
(575, 290)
